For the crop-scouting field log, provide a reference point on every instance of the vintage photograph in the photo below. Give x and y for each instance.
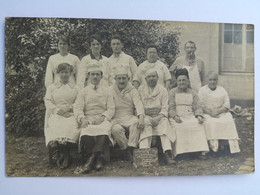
(112, 97)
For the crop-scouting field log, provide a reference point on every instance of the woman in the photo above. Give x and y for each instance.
(60, 124)
(186, 117)
(62, 57)
(219, 123)
(94, 57)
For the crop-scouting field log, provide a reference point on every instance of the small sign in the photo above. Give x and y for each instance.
(146, 157)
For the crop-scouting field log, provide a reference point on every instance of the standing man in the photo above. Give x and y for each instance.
(193, 64)
(94, 108)
(152, 62)
(127, 101)
(119, 57)
(155, 100)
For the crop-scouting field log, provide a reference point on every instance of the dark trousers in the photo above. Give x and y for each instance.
(94, 144)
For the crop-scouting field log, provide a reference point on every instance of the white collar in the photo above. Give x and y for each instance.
(93, 86)
(58, 84)
(122, 53)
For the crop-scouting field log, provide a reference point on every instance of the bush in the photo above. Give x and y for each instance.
(30, 41)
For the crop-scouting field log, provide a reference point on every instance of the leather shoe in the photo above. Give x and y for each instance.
(168, 158)
(89, 164)
(202, 157)
(129, 154)
(99, 163)
(53, 152)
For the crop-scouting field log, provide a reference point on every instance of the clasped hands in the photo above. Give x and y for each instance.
(85, 122)
(155, 120)
(178, 119)
(65, 112)
(212, 112)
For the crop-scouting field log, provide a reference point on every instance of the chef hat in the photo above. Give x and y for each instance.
(182, 71)
(94, 67)
(121, 70)
(149, 71)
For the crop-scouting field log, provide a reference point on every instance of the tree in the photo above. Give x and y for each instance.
(30, 41)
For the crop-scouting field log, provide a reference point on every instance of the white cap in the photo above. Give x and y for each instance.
(94, 67)
(121, 69)
(149, 71)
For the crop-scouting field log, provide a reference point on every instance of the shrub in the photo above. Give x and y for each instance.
(30, 41)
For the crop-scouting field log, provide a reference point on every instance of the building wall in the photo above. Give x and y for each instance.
(206, 36)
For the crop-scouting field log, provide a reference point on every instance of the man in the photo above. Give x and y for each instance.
(94, 108)
(152, 62)
(127, 101)
(193, 64)
(155, 100)
(119, 57)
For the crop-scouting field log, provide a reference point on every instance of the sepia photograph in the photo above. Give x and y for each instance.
(91, 97)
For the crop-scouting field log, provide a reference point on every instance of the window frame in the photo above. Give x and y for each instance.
(244, 47)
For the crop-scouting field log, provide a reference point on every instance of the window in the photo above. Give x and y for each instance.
(237, 48)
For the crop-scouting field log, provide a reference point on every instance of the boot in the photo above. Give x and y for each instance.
(100, 162)
(60, 155)
(168, 158)
(53, 152)
(129, 154)
(67, 157)
(89, 164)
(202, 155)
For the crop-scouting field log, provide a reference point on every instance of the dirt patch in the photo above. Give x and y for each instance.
(28, 156)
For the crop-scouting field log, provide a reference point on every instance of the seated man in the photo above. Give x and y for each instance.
(127, 101)
(94, 108)
(219, 123)
(155, 101)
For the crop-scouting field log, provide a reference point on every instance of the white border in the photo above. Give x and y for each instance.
(233, 11)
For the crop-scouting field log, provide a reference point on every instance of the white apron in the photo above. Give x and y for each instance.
(195, 82)
(163, 128)
(190, 135)
(57, 127)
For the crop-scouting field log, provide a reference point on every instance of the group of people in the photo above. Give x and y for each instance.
(98, 102)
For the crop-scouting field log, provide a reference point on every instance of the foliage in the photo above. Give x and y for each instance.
(30, 41)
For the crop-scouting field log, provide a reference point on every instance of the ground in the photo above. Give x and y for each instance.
(28, 156)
